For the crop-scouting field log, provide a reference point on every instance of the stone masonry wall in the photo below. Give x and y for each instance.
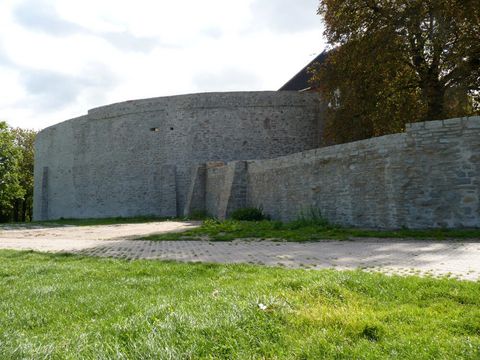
(176, 155)
(427, 177)
(140, 157)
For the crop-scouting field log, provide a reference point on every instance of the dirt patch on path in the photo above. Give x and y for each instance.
(74, 238)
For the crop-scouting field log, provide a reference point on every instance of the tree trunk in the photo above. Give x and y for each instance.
(15, 211)
(24, 210)
(29, 210)
(434, 96)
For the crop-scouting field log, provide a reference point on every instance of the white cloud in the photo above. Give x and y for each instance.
(286, 16)
(50, 89)
(41, 15)
(59, 58)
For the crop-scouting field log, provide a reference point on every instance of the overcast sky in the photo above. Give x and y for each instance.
(59, 58)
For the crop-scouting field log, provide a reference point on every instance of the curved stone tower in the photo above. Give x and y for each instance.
(140, 157)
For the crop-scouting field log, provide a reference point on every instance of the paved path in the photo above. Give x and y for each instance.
(460, 259)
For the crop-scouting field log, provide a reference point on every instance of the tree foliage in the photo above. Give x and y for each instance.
(16, 173)
(25, 140)
(398, 61)
(10, 156)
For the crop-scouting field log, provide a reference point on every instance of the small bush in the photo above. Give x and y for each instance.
(198, 215)
(249, 214)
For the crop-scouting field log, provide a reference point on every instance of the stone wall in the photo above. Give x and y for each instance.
(222, 151)
(427, 177)
(140, 157)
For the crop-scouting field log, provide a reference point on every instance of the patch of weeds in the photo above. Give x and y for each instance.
(249, 214)
(305, 228)
(372, 332)
(198, 215)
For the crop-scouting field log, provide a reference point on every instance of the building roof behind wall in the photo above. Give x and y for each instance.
(300, 82)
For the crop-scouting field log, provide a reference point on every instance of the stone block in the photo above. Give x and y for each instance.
(472, 122)
(196, 201)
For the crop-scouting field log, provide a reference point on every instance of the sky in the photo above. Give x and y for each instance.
(60, 58)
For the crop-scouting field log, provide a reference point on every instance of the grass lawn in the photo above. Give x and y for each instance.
(302, 230)
(83, 222)
(102, 221)
(59, 306)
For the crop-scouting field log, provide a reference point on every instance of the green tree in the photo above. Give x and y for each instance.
(10, 157)
(24, 140)
(398, 61)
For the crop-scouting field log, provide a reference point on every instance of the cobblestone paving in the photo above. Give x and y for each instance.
(460, 259)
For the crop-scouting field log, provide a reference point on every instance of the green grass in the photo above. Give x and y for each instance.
(59, 306)
(106, 221)
(92, 222)
(302, 230)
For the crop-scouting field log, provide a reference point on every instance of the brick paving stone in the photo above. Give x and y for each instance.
(459, 259)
